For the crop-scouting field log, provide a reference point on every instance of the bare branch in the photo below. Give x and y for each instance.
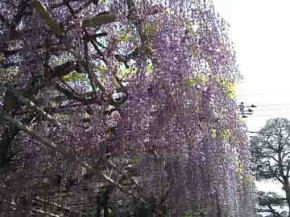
(72, 94)
(39, 110)
(42, 10)
(29, 131)
(100, 19)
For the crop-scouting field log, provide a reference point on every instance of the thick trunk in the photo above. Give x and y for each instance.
(287, 191)
(6, 143)
(105, 203)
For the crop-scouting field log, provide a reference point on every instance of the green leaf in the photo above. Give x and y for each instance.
(150, 67)
(149, 29)
(127, 73)
(74, 77)
(125, 36)
(199, 78)
(228, 87)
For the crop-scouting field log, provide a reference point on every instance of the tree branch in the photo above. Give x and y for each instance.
(42, 10)
(100, 19)
(72, 94)
(39, 110)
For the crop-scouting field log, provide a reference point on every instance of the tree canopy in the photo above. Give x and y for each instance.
(271, 156)
(120, 108)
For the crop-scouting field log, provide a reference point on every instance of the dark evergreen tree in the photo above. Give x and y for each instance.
(271, 155)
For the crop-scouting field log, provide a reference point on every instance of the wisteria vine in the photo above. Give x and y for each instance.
(126, 106)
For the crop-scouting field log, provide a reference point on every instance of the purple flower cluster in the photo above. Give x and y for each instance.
(123, 95)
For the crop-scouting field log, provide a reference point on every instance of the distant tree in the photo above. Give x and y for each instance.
(270, 202)
(271, 155)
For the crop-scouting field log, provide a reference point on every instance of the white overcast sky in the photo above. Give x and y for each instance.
(261, 33)
(260, 30)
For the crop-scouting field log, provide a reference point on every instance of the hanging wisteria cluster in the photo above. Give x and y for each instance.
(119, 108)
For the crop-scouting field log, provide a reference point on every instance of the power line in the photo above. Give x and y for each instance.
(272, 104)
(263, 94)
(263, 111)
(246, 92)
(277, 105)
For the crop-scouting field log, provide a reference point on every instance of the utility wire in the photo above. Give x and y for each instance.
(263, 93)
(272, 104)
